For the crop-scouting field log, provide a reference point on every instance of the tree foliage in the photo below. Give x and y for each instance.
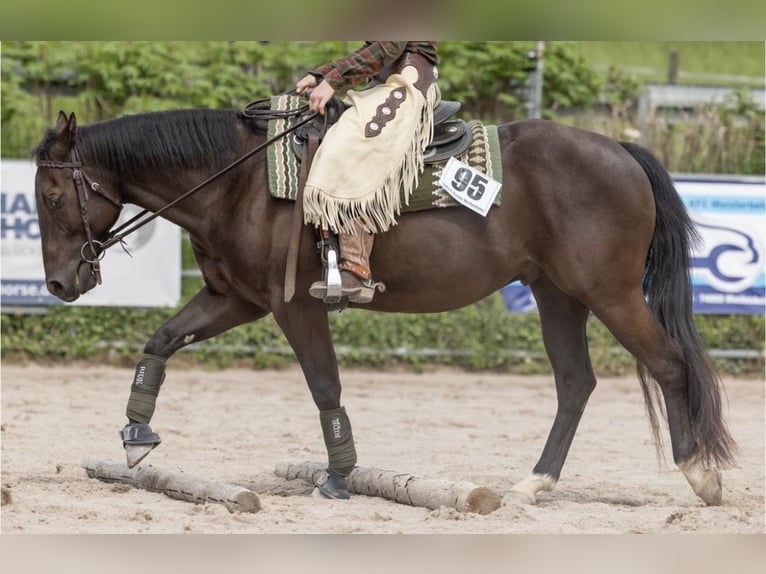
(108, 79)
(101, 80)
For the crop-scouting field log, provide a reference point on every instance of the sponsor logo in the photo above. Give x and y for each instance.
(18, 219)
(729, 260)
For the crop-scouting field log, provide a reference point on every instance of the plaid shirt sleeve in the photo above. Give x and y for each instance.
(362, 64)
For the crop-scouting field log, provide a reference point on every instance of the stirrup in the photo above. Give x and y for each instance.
(334, 293)
(329, 290)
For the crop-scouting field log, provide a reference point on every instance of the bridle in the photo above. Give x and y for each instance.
(97, 249)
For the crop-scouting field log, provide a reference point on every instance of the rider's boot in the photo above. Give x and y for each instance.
(356, 278)
(355, 274)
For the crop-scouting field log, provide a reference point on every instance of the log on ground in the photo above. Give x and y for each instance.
(178, 485)
(402, 487)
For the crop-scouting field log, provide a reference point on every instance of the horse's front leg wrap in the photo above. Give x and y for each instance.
(339, 440)
(150, 373)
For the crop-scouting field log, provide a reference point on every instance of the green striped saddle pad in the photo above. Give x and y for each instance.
(283, 165)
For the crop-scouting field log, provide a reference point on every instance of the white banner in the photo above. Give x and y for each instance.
(728, 269)
(150, 278)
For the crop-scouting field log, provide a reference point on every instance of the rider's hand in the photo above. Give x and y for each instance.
(320, 96)
(305, 83)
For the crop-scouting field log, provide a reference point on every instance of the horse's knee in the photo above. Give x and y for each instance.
(326, 394)
(165, 341)
(575, 388)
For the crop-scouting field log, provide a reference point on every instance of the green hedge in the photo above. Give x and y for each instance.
(483, 336)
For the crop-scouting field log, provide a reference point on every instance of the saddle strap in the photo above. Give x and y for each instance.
(296, 225)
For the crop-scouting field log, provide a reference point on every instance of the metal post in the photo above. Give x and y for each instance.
(535, 105)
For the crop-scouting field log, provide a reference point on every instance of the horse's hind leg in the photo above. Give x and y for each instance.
(564, 334)
(631, 321)
(205, 316)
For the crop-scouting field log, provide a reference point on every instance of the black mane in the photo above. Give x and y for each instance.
(183, 139)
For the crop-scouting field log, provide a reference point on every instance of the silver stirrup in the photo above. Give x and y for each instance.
(333, 294)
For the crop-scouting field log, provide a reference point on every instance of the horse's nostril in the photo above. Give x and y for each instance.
(60, 290)
(55, 288)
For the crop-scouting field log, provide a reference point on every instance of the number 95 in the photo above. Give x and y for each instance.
(472, 182)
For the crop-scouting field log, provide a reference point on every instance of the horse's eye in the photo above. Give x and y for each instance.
(54, 201)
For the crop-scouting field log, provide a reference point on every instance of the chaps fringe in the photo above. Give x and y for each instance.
(378, 210)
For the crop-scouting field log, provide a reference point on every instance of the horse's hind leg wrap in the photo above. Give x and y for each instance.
(150, 372)
(339, 440)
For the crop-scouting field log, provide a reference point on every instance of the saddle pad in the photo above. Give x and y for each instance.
(483, 154)
(283, 167)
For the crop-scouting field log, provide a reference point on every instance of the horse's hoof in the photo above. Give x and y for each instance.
(139, 440)
(525, 491)
(136, 453)
(707, 483)
(516, 498)
(711, 491)
(332, 485)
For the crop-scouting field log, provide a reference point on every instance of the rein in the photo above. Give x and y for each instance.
(116, 237)
(98, 249)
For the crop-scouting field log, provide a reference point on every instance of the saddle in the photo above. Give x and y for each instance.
(289, 159)
(451, 137)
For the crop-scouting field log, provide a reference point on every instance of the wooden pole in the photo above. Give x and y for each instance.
(178, 485)
(403, 487)
(673, 66)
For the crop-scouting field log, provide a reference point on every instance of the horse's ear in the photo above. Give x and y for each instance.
(61, 122)
(66, 128)
(72, 128)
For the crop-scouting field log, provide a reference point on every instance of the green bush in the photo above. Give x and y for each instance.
(483, 336)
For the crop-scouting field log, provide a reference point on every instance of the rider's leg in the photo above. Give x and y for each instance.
(356, 277)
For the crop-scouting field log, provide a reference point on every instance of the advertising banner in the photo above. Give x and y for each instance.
(150, 276)
(728, 265)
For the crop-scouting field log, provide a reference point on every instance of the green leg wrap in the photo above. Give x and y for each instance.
(339, 440)
(150, 372)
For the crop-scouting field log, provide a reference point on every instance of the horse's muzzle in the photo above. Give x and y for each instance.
(57, 289)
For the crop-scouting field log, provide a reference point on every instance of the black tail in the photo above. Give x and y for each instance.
(669, 294)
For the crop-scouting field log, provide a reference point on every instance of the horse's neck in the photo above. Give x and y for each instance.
(153, 188)
(157, 196)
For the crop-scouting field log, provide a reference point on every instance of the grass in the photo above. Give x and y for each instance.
(700, 63)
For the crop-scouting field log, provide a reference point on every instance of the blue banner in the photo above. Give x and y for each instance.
(26, 292)
(728, 273)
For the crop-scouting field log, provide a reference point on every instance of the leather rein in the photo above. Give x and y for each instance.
(93, 251)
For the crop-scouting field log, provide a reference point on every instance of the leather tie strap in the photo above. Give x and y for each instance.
(296, 226)
(82, 200)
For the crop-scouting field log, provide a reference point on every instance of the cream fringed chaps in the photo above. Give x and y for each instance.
(357, 177)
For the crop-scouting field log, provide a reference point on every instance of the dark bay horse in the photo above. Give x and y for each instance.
(592, 225)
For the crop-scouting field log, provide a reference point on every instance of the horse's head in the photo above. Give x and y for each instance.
(74, 221)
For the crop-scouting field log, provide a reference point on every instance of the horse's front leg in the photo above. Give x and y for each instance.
(206, 315)
(305, 324)
(563, 320)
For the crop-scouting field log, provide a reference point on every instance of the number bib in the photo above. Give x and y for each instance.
(468, 186)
